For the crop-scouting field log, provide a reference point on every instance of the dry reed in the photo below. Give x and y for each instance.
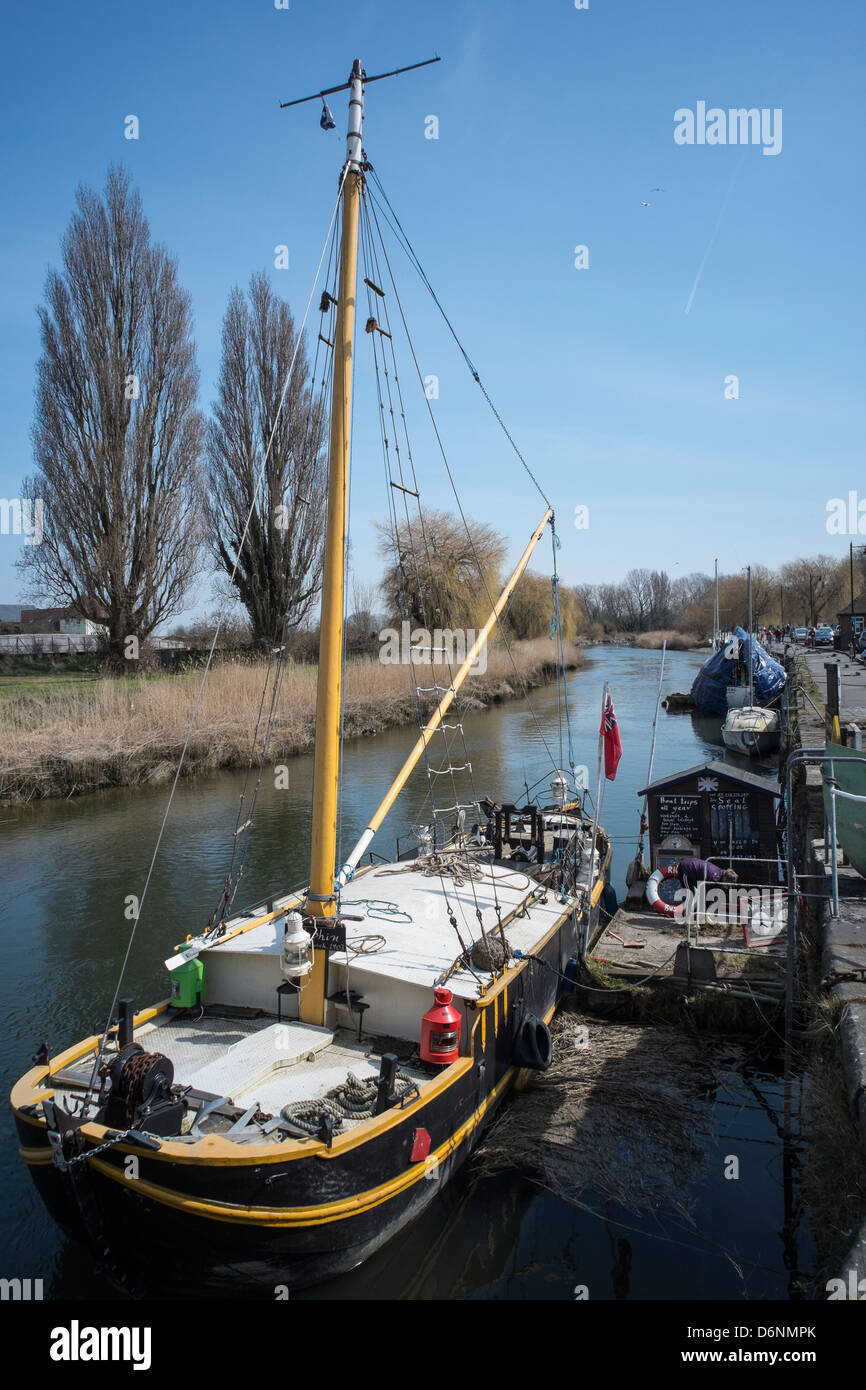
(677, 641)
(619, 1113)
(125, 732)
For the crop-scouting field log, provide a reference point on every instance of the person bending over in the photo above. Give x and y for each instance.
(691, 872)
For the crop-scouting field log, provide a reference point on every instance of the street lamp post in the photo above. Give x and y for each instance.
(851, 548)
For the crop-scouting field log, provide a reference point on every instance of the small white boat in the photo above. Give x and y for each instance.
(751, 730)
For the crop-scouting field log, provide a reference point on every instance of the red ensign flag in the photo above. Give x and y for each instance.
(610, 733)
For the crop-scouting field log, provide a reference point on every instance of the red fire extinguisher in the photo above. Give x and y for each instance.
(440, 1031)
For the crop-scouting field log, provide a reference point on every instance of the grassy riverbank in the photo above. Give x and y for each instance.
(60, 737)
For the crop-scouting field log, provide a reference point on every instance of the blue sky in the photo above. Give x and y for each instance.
(554, 126)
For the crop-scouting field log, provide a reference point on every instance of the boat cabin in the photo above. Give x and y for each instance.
(715, 812)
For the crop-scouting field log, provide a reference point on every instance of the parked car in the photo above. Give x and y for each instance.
(824, 636)
(800, 634)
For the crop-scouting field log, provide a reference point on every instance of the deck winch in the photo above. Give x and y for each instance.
(140, 1093)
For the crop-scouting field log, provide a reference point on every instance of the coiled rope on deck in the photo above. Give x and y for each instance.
(353, 1100)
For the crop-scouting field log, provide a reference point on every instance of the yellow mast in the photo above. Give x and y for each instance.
(320, 896)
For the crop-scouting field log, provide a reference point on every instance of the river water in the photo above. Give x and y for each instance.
(69, 867)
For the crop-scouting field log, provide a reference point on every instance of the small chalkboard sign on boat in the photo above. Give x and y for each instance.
(329, 936)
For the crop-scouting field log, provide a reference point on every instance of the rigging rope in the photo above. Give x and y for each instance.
(406, 245)
(558, 633)
(441, 447)
(370, 250)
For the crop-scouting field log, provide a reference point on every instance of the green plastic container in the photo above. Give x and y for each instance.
(187, 984)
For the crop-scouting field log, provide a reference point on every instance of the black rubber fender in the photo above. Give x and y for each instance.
(608, 900)
(533, 1046)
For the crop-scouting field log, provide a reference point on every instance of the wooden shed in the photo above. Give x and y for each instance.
(716, 812)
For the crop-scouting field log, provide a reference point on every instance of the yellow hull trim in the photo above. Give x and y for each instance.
(283, 1217)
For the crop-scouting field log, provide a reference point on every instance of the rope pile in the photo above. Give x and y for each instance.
(435, 865)
(353, 1100)
(439, 865)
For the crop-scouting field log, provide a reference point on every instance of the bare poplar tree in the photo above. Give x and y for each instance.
(279, 562)
(117, 435)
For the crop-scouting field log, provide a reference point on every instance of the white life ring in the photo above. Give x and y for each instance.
(652, 892)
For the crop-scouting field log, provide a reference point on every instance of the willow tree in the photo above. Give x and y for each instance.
(266, 526)
(530, 611)
(117, 435)
(441, 572)
(734, 597)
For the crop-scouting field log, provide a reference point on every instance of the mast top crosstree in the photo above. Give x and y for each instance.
(356, 83)
(357, 68)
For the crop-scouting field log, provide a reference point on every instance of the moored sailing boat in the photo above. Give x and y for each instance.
(749, 728)
(282, 1114)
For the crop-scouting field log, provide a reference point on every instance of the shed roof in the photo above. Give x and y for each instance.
(716, 769)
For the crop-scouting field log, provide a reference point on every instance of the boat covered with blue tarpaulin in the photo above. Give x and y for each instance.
(710, 686)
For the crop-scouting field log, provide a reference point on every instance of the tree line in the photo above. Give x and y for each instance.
(801, 592)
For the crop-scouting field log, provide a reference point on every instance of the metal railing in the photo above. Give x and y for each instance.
(737, 890)
(830, 827)
(44, 644)
(49, 643)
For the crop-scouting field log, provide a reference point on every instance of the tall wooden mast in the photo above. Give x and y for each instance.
(323, 853)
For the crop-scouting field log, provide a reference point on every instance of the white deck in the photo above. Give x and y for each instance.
(396, 978)
(262, 1063)
(311, 1080)
(239, 1052)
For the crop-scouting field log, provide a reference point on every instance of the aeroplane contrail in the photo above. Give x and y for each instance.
(713, 237)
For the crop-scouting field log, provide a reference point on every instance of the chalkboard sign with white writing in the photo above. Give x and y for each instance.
(734, 824)
(330, 938)
(678, 815)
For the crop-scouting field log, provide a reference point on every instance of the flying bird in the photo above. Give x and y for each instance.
(646, 205)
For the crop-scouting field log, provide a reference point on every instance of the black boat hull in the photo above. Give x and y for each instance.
(156, 1225)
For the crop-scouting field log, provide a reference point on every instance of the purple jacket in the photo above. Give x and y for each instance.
(691, 872)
